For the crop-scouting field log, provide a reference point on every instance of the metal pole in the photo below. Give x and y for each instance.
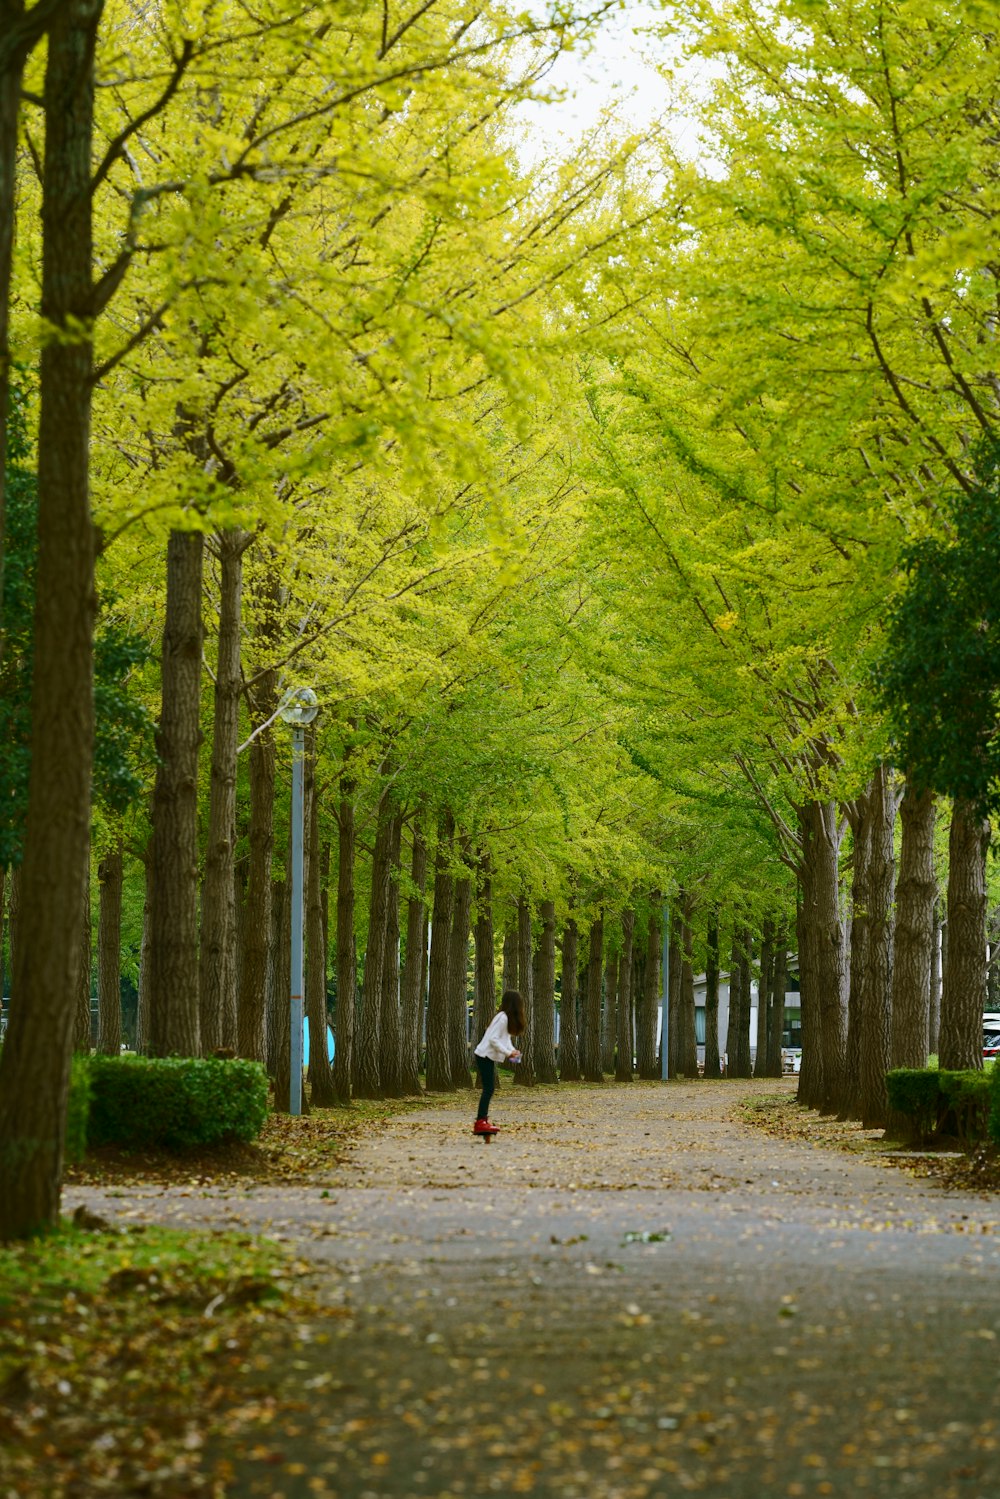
(665, 1000)
(296, 878)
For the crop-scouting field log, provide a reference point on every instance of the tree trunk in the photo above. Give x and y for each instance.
(688, 1059)
(623, 1026)
(644, 1008)
(390, 1024)
(218, 934)
(367, 1081)
(439, 1074)
(280, 1003)
(608, 1021)
(524, 1072)
(458, 979)
(343, 1062)
(591, 1036)
(712, 1068)
(486, 983)
(778, 1003)
(142, 999)
(272, 996)
(916, 893)
(733, 1016)
(743, 1066)
(934, 1006)
(173, 955)
(83, 1036)
(569, 1045)
(35, 1061)
(876, 1000)
(109, 950)
(412, 997)
(652, 964)
(764, 993)
(674, 958)
(509, 979)
(821, 835)
(252, 999)
(322, 1093)
(545, 997)
(861, 827)
(964, 997)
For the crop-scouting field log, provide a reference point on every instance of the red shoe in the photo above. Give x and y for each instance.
(482, 1127)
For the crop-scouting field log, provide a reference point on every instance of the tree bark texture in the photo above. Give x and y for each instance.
(623, 1019)
(458, 977)
(275, 980)
(712, 1061)
(524, 1072)
(777, 1003)
(439, 1075)
(934, 1005)
(609, 1024)
(744, 1067)
(109, 949)
(83, 1037)
(252, 997)
(688, 1059)
(811, 1062)
(674, 959)
(173, 956)
(35, 1061)
(343, 1062)
(322, 1093)
(964, 996)
(218, 915)
(509, 978)
(591, 1031)
(644, 1008)
(281, 1010)
(916, 894)
(569, 1044)
(652, 963)
(485, 981)
(367, 1082)
(412, 996)
(390, 1023)
(876, 999)
(861, 828)
(142, 1005)
(821, 834)
(545, 997)
(733, 1017)
(764, 994)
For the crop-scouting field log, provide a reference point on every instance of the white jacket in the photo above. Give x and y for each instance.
(496, 1044)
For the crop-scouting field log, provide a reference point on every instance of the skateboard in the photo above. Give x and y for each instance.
(486, 1135)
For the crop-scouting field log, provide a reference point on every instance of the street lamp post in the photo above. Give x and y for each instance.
(299, 708)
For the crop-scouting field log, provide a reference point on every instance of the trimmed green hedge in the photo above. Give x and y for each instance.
(963, 1104)
(78, 1109)
(175, 1102)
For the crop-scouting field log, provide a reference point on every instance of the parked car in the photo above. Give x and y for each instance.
(991, 1045)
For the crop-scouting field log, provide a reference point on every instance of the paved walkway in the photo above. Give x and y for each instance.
(656, 1299)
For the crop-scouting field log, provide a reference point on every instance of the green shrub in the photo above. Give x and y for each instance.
(78, 1109)
(944, 1103)
(175, 1102)
(967, 1097)
(915, 1093)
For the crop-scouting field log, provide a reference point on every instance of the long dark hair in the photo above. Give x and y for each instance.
(513, 1007)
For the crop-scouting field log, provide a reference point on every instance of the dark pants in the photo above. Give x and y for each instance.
(487, 1077)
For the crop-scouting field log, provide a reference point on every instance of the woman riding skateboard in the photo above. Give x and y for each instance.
(497, 1046)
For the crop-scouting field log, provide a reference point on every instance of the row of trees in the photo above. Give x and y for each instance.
(580, 492)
